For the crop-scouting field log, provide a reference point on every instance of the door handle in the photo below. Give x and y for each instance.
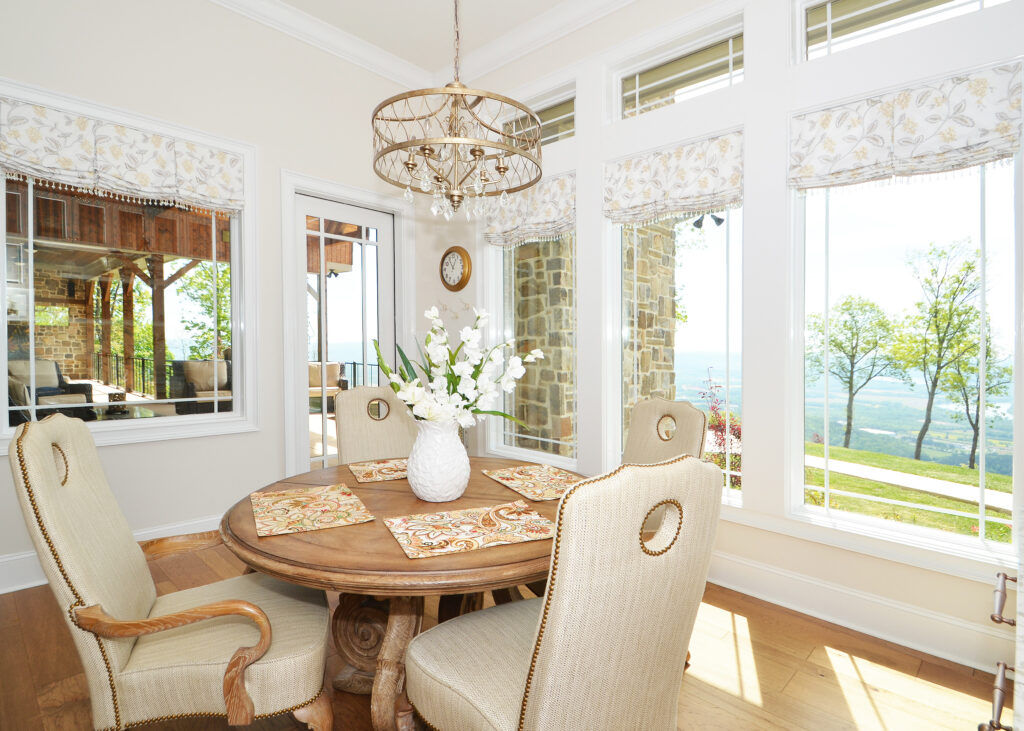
(998, 699)
(999, 600)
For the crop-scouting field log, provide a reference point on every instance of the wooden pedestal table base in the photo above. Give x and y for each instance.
(358, 628)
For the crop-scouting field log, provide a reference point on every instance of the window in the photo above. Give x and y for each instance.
(130, 304)
(540, 312)
(681, 326)
(908, 412)
(839, 24)
(711, 67)
(557, 121)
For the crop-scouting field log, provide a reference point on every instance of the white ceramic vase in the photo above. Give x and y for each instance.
(438, 464)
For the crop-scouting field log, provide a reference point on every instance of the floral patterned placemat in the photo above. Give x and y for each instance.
(306, 508)
(455, 531)
(535, 481)
(378, 470)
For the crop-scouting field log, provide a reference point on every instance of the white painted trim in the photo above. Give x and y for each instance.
(245, 416)
(976, 644)
(293, 290)
(22, 570)
(561, 20)
(319, 34)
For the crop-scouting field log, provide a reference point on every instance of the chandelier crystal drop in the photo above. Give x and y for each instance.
(455, 143)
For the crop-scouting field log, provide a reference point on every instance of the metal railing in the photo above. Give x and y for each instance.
(141, 369)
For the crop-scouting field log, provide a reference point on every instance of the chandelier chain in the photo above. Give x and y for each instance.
(456, 40)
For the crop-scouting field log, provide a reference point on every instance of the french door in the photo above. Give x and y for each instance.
(349, 303)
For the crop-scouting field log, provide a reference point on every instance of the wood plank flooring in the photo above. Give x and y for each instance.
(755, 666)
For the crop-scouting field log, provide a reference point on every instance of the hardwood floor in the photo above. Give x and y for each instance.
(755, 666)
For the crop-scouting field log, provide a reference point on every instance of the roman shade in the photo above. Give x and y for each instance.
(689, 177)
(544, 212)
(104, 157)
(936, 126)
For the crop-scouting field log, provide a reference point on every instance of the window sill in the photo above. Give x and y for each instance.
(529, 455)
(137, 431)
(948, 554)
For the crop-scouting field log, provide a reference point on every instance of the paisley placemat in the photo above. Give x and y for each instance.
(378, 470)
(306, 508)
(455, 531)
(535, 481)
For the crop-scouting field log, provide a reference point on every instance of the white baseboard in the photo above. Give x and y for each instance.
(22, 570)
(976, 644)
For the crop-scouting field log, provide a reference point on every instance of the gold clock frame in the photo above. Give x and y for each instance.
(467, 268)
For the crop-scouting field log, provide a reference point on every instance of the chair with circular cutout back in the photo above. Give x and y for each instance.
(152, 658)
(372, 423)
(661, 429)
(595, 652)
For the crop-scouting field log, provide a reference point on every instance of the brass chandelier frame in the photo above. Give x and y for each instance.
(456, 143)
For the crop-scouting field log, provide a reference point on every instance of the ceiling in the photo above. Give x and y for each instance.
(421, 31)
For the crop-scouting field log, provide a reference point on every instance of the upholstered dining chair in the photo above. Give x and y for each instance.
(372, 424)
(661, 429)
(604, 648)
(244, 648)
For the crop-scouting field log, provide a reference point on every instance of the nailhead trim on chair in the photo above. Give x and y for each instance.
(67, 467)
(554, 573)
(679, 527)
(80, 603)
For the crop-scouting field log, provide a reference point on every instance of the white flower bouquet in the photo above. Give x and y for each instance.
(460, 385)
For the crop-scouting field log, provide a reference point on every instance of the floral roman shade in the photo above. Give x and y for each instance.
(543, 212)
(941, 125)
(108, 158)
(691, 177)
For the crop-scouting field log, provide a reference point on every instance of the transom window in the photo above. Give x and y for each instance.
(697, 72)
(557, 121)
(839, 24)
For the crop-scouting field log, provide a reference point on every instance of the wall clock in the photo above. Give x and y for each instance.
(456, 267)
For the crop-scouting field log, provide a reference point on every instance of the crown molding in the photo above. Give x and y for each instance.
(308, 29)
(562, 19)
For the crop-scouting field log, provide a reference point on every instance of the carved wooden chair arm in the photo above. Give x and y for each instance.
(236, 698)
(160, 547)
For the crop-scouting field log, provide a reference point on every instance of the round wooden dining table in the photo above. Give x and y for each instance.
(380, 607)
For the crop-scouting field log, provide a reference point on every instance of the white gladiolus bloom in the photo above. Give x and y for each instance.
(467, 387)
(482, 318)
(508, 383)
(431, 314)
(470, 336)
(473, 355)
(535, 354)
(465, 419)
(515, 367)
(463, 368)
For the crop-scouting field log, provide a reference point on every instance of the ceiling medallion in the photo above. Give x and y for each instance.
(459, 145)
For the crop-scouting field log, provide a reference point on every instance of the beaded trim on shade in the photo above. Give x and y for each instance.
(686, 178)
(545, 212)
(937, 126)
(105, 158)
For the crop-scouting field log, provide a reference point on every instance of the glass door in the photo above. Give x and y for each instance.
(350, 302)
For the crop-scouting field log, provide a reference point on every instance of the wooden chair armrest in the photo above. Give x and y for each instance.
(236, 698)
(160, 547)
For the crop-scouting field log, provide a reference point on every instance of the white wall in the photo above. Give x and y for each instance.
(196, 64)
(932, 600)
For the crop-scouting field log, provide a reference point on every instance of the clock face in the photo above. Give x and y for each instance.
(455, 268)
(452, 268)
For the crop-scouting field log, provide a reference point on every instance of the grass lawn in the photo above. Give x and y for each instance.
(914, 516)
(950, 473)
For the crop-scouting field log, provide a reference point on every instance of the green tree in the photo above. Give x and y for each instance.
(941, 331)
(859, 349)
(961, 383)
(211, 332)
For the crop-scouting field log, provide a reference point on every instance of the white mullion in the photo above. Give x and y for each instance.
(982, 359)
(362, 272)
(216, 311)
(728, 318)
(828, 27)
(825, 348)
(30, 285)
(322, 341)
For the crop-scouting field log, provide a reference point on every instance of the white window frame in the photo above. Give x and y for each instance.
(244, 416)
(846, 526)
(693, 41)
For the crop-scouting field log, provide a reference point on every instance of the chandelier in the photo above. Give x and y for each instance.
(459, 145)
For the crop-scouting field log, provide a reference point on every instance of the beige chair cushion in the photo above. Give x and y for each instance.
(209, 395)
(63, 398)
(332, 372)
(470, 675)
(46, 372)
(183, 668)
(200, 374)
(18, 391)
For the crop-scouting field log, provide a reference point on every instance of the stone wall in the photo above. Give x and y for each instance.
(648, 315)
(540, 307)
(68, 345)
